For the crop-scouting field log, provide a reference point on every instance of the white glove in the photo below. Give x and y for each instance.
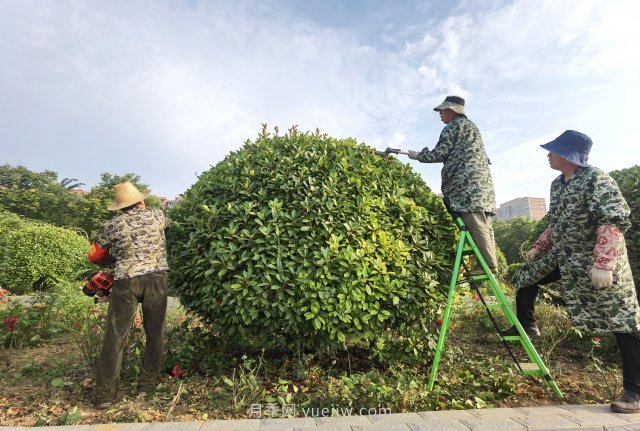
(413, 155)
(601, 277)
(533, 255)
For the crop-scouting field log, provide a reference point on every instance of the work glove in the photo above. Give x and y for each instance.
(533, 255)
(539, 247)
(413, 155)
(601, 277)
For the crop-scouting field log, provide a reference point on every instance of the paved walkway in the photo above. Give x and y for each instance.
(565, 418)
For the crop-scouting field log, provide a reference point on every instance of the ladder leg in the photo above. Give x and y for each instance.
(447, 312)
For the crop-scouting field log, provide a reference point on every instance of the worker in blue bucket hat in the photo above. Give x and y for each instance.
(584, 248)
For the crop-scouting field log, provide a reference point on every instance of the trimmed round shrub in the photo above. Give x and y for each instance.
(307, 240)
(35, 250)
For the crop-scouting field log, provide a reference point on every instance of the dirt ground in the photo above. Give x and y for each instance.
(50, 385)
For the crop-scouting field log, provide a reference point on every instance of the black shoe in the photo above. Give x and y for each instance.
(627, 402)
(479, 271)
(531, 331)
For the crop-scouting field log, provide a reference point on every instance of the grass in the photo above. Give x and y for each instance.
(49, 381)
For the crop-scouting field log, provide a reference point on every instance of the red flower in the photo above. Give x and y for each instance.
(439, 321)
(11, 320)
(11, 323)
(475, 296)
(177, 371)
(3, 292)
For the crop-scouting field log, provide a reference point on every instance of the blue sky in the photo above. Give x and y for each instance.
(165, 89)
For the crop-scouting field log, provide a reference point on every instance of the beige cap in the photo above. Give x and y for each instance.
(455, 103)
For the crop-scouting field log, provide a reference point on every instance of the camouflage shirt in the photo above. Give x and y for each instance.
(466, 179)
(136, 240)
(589, 199)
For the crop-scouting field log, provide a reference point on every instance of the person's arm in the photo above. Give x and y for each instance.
(99, 252)
(611, 214)
(444, 147)
(541, 246)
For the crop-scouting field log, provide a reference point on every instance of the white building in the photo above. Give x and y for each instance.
(533, 208)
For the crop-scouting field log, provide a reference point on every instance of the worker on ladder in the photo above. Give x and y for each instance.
(466, 179)
(584, 248)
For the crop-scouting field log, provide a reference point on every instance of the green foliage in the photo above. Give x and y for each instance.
(39, 196)
(308, 240)
(502, 264)
(193, 347)
(36, 250)
(51, 204)
(511, 234)
(511, 270)
(629, 182)
(22, 178)
(44, 316)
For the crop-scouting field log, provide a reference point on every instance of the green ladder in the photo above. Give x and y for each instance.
(467, 247)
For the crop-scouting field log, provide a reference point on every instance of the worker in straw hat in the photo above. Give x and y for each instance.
(466, 179)
(136, 239)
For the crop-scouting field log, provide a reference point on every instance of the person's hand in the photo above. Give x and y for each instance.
(413, 155)
(533, 255)
(601, 277)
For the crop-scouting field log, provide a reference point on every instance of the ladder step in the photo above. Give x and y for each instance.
(529, 366)
(531, 369)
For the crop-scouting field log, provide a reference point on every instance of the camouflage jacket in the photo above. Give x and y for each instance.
(466, 179)
(590, 199)
(136, 240)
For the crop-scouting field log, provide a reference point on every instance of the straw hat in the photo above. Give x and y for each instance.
(126, 195)
(572, 146)
(455, 103)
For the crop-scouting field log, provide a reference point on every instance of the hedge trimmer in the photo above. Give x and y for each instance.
(389, 151)
(98, 286)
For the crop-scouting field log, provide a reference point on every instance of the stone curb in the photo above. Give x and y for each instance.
(549, 418)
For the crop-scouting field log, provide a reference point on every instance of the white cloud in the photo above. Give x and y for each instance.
(167, 89)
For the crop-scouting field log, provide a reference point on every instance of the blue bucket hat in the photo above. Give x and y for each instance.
(571, 145)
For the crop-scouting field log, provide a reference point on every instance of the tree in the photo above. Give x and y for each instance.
(511, 234)
(24, 179)
(36, 195)
(307, 240)
(39, 196)
(70, 183)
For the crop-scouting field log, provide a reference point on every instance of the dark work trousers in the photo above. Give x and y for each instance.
(526, 299)
(628, 343)
(150, 290)
(480, 226)
(629, 346)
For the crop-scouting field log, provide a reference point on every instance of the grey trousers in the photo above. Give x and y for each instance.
(481, 229)
(150, 290)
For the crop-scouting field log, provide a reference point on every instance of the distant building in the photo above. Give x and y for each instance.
(168, 203)
(533, 208)
(79, 193)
